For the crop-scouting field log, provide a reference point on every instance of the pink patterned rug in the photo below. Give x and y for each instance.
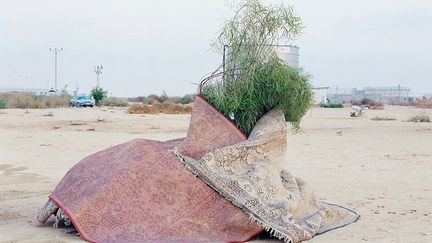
(139, 191)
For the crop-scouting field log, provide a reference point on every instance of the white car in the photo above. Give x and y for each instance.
(82, 101)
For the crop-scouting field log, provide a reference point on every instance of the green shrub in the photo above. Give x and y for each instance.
(98, 95)
(2, 104)
(255, 80)
(274, 85)
(332, 105)
(187, 99)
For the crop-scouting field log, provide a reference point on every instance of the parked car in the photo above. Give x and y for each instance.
(82, 100)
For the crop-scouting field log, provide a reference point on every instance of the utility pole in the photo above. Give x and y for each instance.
(56, 51)
(76, 89)
(98, 71)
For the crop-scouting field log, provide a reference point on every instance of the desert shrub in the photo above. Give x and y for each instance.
(155, 99)
(2, 104)
(114, 102)
(141, 109)
(98, 95)
(332, 105)
(420, 118)
(152, 99)
(171, 108)
(54, 101)
(29, 100)
(164, 98)
(166, 108)
(187, 99)
(383, 118)
(139, 99)
(160, 99)
(172, 100)
(21, 100)
(422, 103)
(372, 104)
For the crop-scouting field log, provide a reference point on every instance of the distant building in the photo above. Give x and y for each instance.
(388, 95)
(320, 95)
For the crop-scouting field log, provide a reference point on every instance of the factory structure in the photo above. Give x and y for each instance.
(396, 95)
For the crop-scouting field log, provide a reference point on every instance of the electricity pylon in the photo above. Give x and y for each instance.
(98, 71)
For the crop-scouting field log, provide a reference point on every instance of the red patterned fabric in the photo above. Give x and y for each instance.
(139, 191)
(210, 130)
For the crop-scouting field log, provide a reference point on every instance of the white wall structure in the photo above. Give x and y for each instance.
(320, 95)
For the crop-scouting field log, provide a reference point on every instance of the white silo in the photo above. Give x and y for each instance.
(289, 54)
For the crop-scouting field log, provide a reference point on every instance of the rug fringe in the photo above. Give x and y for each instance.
(272, 231)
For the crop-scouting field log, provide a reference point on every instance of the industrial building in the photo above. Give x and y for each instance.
(387, 95)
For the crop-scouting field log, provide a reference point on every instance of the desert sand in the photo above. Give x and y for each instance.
(381, 169)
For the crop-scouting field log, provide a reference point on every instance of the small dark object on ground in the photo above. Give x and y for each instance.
(49, 114)
(332, 105)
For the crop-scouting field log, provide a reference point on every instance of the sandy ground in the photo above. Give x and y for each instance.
(381, 169)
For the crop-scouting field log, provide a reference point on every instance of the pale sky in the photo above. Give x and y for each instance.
(149, 46)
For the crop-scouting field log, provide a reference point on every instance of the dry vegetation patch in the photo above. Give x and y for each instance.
(115, 102)
(155, 104)
(424, 103)
(164, 98)
(29, 100)
(166, 108)
(420, 118)
(383, 118)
